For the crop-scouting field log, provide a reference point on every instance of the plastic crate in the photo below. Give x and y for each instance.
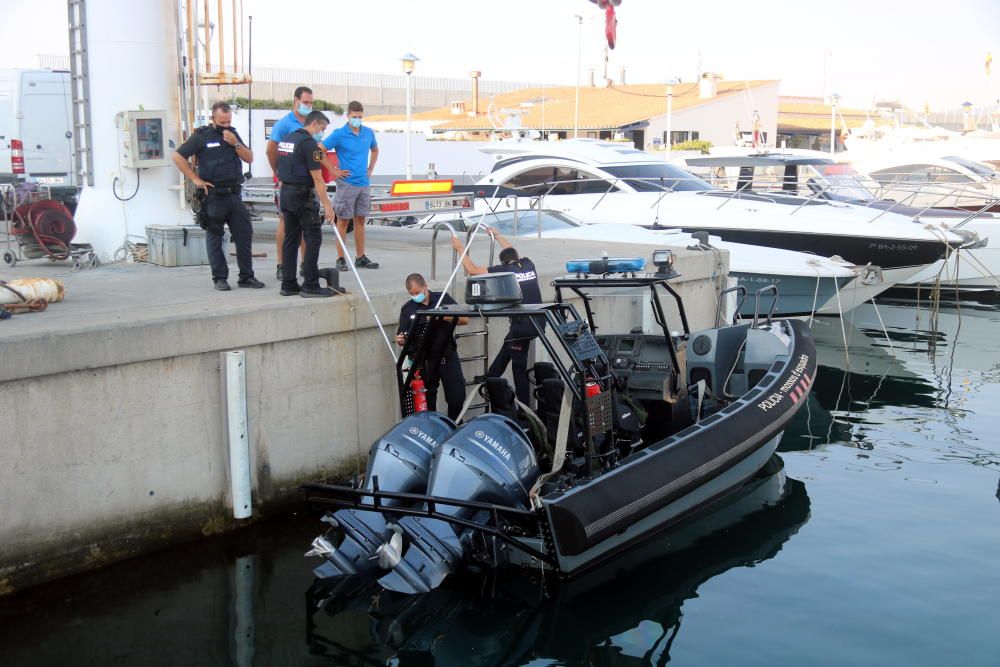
(176, 245)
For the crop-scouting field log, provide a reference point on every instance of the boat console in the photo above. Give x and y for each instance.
(641, 360)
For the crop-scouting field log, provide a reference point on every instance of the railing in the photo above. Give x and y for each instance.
(935, 194)
(454, 254)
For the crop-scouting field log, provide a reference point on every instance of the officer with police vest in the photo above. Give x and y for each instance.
(300, 162)
(220, 154)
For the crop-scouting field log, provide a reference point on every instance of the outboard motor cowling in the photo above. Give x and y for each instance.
(401, 461)
(488, 460)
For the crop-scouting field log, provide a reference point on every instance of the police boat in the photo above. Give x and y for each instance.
(635, 428)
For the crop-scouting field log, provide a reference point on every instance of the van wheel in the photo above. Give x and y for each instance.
(9, 258)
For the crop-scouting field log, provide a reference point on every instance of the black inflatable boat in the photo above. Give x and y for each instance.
(635, 427)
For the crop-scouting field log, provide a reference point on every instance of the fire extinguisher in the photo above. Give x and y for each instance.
(419, 393)
(592, 388)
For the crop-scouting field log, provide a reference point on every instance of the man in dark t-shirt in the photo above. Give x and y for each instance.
(518, 341)
(448, 371)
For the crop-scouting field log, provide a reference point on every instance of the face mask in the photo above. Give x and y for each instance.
(318, 136)
(355, 122)
(305, 110)
(419, 298)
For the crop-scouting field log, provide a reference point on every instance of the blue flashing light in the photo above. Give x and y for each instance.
(606, 265)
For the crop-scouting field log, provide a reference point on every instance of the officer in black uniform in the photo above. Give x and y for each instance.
(449, 371)
(518, 341)
(220, 154)
(300, 162)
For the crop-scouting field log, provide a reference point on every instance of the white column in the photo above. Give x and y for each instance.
(409, 111)
(129, 69)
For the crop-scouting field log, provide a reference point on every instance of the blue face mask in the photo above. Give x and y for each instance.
(305, 110)
(355, 122)
(419, 298)
(318, 136)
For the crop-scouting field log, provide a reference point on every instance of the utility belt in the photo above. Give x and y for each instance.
(300, 200)
(226, 190)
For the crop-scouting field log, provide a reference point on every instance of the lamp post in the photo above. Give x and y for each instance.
(579, 56)
(670, 113)
(409, 64)
(834, 98)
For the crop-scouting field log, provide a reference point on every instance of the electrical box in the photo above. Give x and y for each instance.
(145, 139)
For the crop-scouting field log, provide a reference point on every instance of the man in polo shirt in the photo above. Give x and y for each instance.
(357, 153)
(302, 106)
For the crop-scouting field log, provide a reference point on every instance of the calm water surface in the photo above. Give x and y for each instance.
(879, 544)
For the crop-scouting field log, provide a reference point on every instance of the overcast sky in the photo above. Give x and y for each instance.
(916, 51)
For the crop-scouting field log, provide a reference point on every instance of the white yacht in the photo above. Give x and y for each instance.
(607, 182)
(807, 284)
(819, 175)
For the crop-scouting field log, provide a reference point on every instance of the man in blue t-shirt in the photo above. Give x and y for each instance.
(357, 153)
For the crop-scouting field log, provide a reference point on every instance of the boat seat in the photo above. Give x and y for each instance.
(714, 355)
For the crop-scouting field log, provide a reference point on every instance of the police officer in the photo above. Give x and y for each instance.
(518, 341)
(449, 371)
(220, 153)
(300, 162)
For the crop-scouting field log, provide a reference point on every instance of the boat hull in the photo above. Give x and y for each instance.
(666, 481)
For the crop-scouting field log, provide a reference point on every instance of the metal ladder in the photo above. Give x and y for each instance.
(484, 356)
(80, 83)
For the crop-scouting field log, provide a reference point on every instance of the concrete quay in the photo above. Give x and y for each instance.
(112, 433)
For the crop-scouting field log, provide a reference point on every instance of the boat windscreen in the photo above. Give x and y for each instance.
(842, 183)
(658, 177)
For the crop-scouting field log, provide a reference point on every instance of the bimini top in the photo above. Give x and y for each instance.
(757, 160)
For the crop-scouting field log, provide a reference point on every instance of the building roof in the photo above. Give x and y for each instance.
(601, 108)
(808, 117)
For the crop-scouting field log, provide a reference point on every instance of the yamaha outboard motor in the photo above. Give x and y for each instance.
(488, 460)
(401, 461)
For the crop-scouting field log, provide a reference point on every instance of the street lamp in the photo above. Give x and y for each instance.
(409, 64)
(670, 112)
(579, 55)
(834, 98)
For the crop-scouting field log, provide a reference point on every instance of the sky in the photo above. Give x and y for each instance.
(885, 49)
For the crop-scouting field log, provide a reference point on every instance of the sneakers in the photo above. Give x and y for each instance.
(290, 291)
(316, 293)
(341, 264)
(221, 284)
(250, 282)
(364, 263)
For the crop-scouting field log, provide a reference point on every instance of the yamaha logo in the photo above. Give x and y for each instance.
(500, 449)
(414, 430)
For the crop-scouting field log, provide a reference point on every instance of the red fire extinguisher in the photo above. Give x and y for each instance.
(593, 389)
(419, 393)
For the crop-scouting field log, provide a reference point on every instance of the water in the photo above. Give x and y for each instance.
(877, 545)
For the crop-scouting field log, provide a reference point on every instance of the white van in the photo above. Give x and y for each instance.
(36, 130)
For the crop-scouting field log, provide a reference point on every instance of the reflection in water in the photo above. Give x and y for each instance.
(510, 618)
(921, 371)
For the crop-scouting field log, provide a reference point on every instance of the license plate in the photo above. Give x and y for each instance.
(51, 180)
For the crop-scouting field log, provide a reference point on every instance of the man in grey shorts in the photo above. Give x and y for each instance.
(357, 153)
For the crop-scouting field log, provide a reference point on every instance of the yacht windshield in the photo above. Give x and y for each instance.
(842, 182)
(657, 177)
(977, 168)
(503, 221)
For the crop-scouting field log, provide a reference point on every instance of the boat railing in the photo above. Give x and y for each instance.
(907, 194)
(454, 254)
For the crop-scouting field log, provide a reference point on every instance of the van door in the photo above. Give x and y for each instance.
(46, 127)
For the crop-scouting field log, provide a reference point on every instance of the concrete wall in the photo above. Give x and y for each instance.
(113, 441)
